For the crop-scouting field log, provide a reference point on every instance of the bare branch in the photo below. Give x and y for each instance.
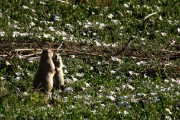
(81, 53)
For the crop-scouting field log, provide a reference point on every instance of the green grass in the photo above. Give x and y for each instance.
(143, 84)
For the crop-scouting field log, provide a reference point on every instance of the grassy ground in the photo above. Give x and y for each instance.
(142, 82)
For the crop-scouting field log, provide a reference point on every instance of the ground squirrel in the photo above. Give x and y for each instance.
(59, 75)
(43, 79)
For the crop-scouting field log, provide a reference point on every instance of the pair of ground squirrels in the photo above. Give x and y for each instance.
(50, 72)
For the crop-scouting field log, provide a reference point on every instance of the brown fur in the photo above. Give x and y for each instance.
(43, 79)
(59, 75)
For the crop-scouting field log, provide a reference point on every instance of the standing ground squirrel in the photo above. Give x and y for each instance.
(43, 79)
(59, 75)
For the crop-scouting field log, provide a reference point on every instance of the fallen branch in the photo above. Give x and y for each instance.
(29, 55)
(3, 55)
(17, 50)
(81, 53)
(175, 52)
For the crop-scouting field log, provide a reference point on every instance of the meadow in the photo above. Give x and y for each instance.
(121, 59)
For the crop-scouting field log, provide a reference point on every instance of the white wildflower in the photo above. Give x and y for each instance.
(93, 111)
(102, 105)
(74, 79)
(68, 80)
(101, 88)
(118, 77)
(133, 100)
(8, 63)
(143, 39)
(91, 68)
(141, 63)
(145, 76)
(112, 92)
(114, 44)
(170, 21)
(166, 81)
(168, 118)
(45, 22)
(157, 86)
(30, 59)
(115, 21)
(79, 22)
(126, 5)
(43, 3)
(112, 98)
(175, 80)
(94, 34)
(25, 94)
(33, 11)
(72, 38)
(63, 33)
(15, 34)
(32, 24)
(79, 74)
(46, 35)
(51, 28)
(173, 42)
(116, 59)
(18, 78)
(160, 18)
(112, 71)
(101, 14)
(168, 110)
(23, 34)
(84, 34)
(69, 26)
(97, 43)
(87, 84)
(64, 38)
(102, 25)
(126, 112)
(72, 106)
(2, 78)
(89, 23)
(40, 29)
(68, 89)
(56, 18)
(177, 93)
(86, 26)
(129, 11)
(87, 97)
(110, 16)
(65, 71)
(72, 56)
(18, 73)
(25, 7)
(178, 29)
(130, 87)
(153, 94)
(163, 34)
(133, 73)
(2, 33)
(52, 38)
(142, 94)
